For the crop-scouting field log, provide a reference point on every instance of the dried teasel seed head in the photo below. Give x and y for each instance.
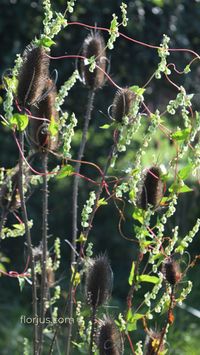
(122, 103)
(40, 137)
(153, 342)
(171, 271)
(151, 191)
(33, 75)
(99, 281)
(94, 45)
(110, 341)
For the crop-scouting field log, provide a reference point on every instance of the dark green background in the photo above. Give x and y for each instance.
(131, 64)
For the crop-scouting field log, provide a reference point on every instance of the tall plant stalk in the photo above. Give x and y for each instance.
(29, 243)
(44, 286)
(75, 203)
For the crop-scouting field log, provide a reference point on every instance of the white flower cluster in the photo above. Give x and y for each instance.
(188, 238)
(68, 133)
(64, 90)
(11, 87)
(123, 8)
(56, 263)
(163, 53)
(80, 321)
(184, 101)
(87, 209)
(152, 295)
(113, 31)
(70, 6)
(184, 293)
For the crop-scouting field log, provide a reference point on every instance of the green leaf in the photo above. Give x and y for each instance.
(187, 69)
(2, 268)
(102, 202)
(138, 215)
(137, 90)
(132, 320)
(19, 121)
(184, 189)
(179, 188)
(131, 276)
(53, 127)
(185, 172)
(66, 170)
(46, 42)
(148, 278)
(21, 283)
(105, 126)
(181, 135)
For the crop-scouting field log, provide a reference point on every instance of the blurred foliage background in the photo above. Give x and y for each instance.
(130, 64)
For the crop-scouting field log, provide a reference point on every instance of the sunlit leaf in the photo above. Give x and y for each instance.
(18, 121)
(66, 170)
(148, 278)
(131, 276)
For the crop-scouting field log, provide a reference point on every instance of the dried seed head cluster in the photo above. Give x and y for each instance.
(122, 103)
(94, 45)
(110, 341)
(152, 343)
(39, 129)
(99, 281)
(33, 75)
(151, 191)
(171, 271)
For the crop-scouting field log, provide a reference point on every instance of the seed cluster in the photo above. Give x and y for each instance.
(152, 189)
(122, 103)
(32, 76)
(171, 271)
(94, 46)
(99, 281)
(110, 341)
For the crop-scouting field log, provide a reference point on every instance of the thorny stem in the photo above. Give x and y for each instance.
(92, 330)
(75, 204)
(44, 287)
(29, 243)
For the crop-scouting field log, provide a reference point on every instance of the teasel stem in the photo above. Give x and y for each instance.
(167, 322)
(86, 233)
(93, 319)
(44, 287)
(77, 170)
(91, 96)
(29, 243)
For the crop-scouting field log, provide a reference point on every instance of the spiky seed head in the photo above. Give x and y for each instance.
(171, 271)
(122, 104)
(94, 45)
(33, 75)
(152, 343)
(39, 132)
(151, 191)
(99, 281)
(110, 341)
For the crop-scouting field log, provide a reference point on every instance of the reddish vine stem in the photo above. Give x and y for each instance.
(132, 39)
(29, 243)
(75, 203)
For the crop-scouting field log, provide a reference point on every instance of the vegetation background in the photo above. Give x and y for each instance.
(131, 64)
